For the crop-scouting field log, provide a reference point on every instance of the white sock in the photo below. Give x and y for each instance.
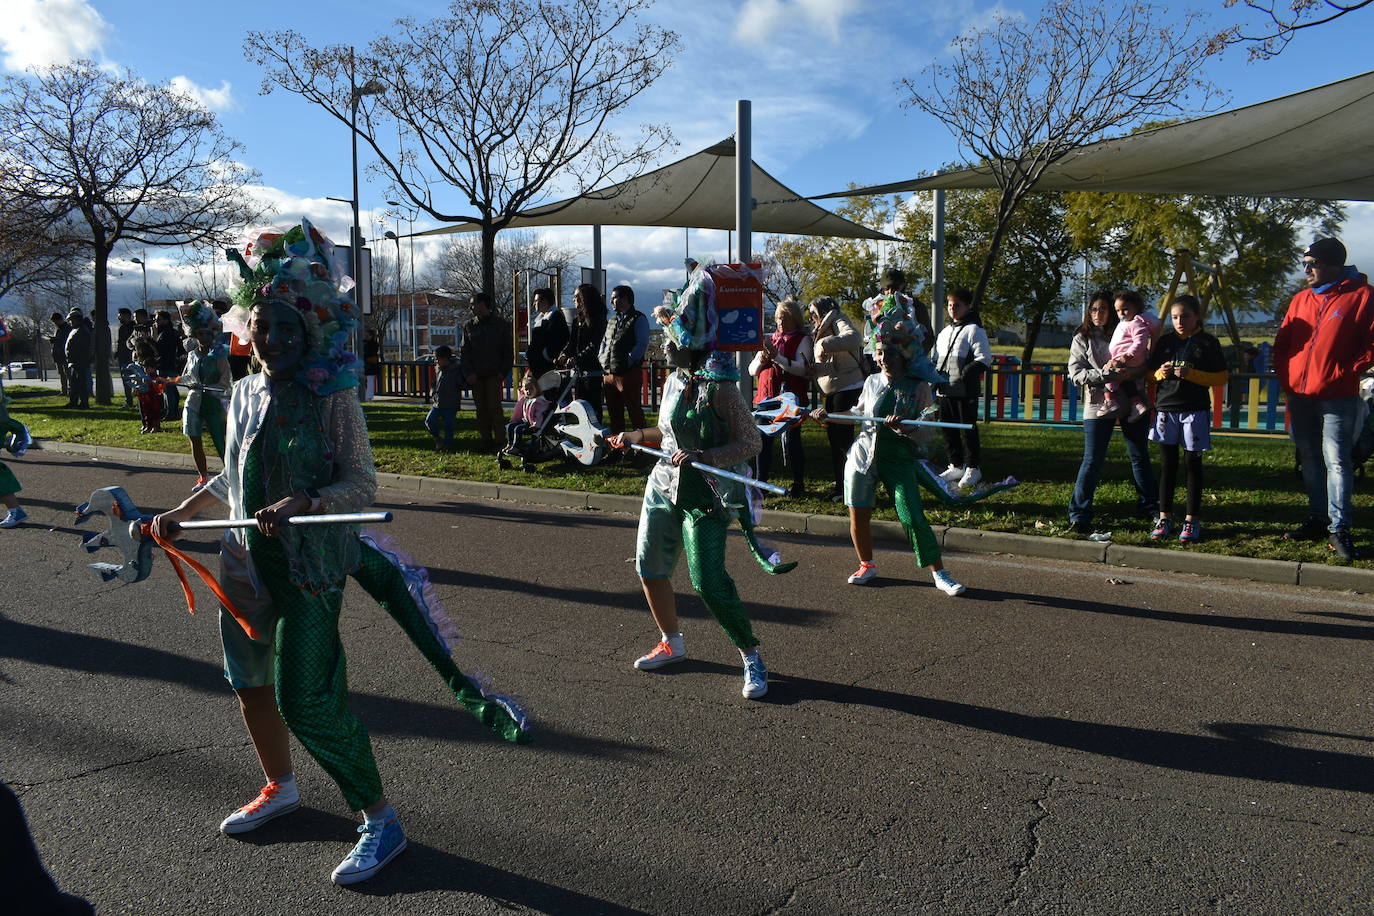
(749, 655)
(286, 786)
(675, 642)
(381, 815)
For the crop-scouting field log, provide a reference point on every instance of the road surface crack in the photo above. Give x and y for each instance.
(1031, 847)
(857, 864)
(124, 763)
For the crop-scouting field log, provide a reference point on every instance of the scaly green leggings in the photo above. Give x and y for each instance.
(311, 670)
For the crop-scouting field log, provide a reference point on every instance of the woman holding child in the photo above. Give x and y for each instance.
(1089, 356)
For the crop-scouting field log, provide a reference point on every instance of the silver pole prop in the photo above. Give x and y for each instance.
(708, 469)
(857, 418)
(344, 518)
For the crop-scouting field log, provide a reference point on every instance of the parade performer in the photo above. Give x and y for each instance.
(296, 443)
(207, 364)
(15, 438)
(886, 452)
(702, 417)
(894, 304)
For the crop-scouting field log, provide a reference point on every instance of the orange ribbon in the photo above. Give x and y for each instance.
(176, 554)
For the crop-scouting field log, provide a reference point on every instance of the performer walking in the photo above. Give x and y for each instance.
(14, 437)
(296, 443)
(885, 452)
(702, 417)
(207, 364)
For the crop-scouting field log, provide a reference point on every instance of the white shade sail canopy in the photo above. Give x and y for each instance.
(1316, 144)
(693, 193)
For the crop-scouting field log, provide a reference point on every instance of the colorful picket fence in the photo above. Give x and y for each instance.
(1042, 393)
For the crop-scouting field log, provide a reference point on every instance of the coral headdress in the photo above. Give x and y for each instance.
(299, 268)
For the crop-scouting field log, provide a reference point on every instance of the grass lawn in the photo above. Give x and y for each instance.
(1251, 496)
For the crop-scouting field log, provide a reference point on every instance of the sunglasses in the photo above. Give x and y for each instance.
(1311, 265)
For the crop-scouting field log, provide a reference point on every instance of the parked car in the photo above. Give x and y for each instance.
(22, 370)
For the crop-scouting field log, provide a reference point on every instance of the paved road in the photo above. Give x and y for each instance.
(1056, 742)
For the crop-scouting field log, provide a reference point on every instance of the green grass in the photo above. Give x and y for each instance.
(1251, 496)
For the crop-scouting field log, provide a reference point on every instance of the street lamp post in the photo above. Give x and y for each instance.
(355, 95)
(410, 228)
(414, 353)
(144, 267)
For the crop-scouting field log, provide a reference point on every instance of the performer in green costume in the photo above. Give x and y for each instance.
(14, 437)
(296, 443)
(704, 418)
(207, 364)
(884, 452)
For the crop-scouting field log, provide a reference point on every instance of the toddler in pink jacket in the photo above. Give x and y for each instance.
(1132, 341)
(529, 410)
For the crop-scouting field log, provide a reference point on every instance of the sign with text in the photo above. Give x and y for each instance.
(739, 305)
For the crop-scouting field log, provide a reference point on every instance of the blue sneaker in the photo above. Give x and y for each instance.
(755, 677)
(380, 843)
(14, 517)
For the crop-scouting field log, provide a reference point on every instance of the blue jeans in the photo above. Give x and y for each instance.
(1323, 429)
(441, 415)
(1097, 436)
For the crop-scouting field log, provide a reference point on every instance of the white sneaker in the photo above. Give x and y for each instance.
(971, 478)
(755, 677)
(660, 655)
(952, 473)
(273, 801)
(379, 844)
(945, 583)
(861, 575)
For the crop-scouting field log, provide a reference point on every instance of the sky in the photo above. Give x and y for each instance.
(821, 74)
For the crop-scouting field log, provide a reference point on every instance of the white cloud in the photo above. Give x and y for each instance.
(1357, 234)
(760, 21)
(221, 99)
(41, 33)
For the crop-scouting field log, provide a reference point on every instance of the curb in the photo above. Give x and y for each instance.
(971, 540)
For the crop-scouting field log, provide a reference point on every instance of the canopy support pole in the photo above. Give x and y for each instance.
(744, 216)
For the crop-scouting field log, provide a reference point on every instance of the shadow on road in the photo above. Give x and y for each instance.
(383, 715)
(1240, 751)
(423, 868)
(689, 606)
(1223, 621)
(572, 518)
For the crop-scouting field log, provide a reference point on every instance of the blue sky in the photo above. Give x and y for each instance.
(821, 75)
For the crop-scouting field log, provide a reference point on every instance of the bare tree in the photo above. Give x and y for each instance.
(34, 246)
(506, 101)
(132, 162)
(1270, 37)
(458, 267)
(1021, 96)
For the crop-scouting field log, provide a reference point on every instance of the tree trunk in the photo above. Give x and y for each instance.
(489, 263)
(100, 317)
(1004, 216)
(1032, 335)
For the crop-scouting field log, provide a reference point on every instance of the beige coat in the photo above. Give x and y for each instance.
(838, 366)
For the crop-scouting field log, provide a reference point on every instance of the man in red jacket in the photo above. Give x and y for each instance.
(1324, 344)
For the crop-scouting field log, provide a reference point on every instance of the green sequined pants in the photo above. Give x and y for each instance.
(895, 468)
(312, 678)
(664, 531)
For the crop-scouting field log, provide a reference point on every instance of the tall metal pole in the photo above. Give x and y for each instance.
(356, 242)
(596, 258)
(744, 215)
(937, 263)
(429, 317)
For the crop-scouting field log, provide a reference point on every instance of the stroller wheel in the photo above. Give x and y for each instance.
(502, 463)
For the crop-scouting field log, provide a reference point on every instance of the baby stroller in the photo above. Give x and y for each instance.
(1364, 430)
(569, 428)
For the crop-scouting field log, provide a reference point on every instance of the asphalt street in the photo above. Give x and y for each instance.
(1064, 739)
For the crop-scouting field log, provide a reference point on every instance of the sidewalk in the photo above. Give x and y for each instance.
(1312, 575)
